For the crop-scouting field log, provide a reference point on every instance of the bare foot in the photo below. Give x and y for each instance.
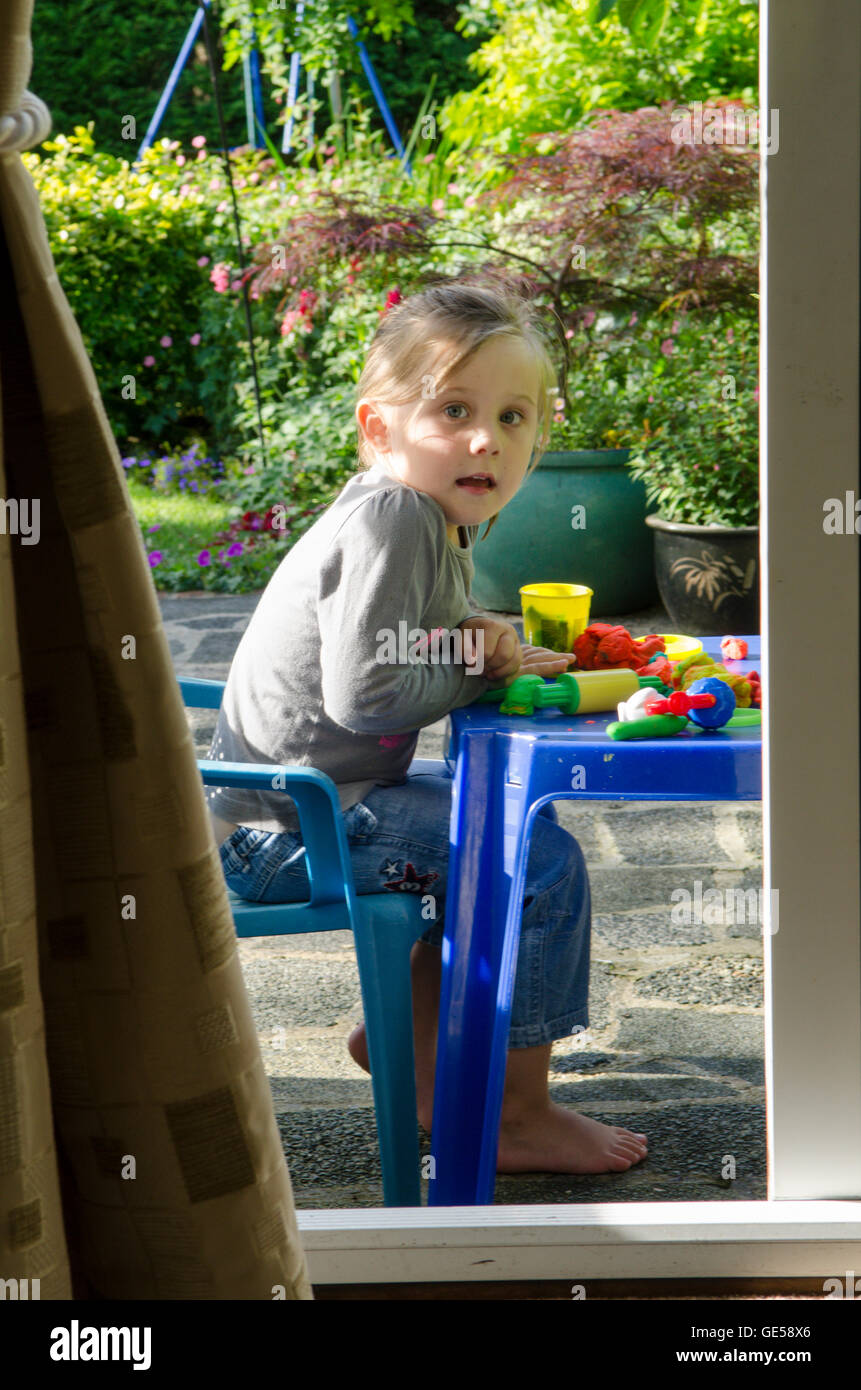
(357, 1046)
(554, 1139)
(546, 1140)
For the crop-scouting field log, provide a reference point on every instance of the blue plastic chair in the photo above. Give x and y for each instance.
(384, 927)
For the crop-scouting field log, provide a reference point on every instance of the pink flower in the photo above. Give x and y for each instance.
(559, 417)
(589, 318)
(293, 200)
(717, 467)
(756, 393)
(336, 183)
(451, 188)
(166, 341)
(470, 201)
(194, 339)
(198, 141)
(236, 285)
(676, 326)
(222, 207)
(632, 320)
(154, 558)
(428, 159)
(730, 335)
(569, 332)
(667, 347)
(437, 205)
(220, 277)
(149, 361)
(203, 260)
(651, 400)
(185, 189)
(180, 159)
(393, 297)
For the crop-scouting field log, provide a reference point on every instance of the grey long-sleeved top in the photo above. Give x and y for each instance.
(308, 685)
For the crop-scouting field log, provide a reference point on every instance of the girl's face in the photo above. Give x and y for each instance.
(469, 443)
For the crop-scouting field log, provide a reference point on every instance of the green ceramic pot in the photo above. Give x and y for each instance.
(579, 518)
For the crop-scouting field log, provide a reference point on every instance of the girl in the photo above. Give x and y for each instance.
(453, 411)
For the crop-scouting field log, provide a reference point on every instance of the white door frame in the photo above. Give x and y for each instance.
(810, 74)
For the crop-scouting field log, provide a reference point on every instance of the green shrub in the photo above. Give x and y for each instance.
(126, 246)
(547, 68)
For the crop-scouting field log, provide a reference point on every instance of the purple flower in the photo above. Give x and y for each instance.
(204, 558)
(128, 463)
(156, 527)
(194, 339)
(166, 341)
(154, 558)
(236, 548)
(149, 361)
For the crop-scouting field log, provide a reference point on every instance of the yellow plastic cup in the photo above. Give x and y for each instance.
(554, 615)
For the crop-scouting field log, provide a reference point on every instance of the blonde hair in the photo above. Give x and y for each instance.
(430, 334)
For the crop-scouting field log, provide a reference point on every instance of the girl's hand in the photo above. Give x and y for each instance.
(502, 652)
(540, 661)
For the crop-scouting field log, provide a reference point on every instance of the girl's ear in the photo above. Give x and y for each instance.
(372, 425)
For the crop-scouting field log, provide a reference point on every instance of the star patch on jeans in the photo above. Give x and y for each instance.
(412, 880)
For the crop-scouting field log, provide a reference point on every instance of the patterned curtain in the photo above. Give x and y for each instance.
(139, 1155)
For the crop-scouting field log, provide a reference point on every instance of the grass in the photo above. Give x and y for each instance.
(185, 520)
(188, 524)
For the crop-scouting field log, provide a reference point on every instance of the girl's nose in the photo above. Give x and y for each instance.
(484, 440)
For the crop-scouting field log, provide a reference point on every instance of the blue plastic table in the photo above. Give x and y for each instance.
(507, 767)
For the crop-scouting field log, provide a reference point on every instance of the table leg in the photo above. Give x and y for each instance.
(481, 935)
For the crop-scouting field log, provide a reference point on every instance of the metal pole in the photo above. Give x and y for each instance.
(172, 81)
(293, 87)
(378, 94)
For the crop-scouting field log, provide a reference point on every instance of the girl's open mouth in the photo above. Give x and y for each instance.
(477, 482)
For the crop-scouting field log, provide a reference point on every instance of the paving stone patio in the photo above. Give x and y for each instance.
(675, 1043)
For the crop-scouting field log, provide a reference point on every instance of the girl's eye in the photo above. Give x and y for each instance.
(456, 405)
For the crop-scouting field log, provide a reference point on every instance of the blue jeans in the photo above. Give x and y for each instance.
(398, 841)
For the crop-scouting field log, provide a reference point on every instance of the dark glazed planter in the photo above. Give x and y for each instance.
(534, 540)
(708, 576)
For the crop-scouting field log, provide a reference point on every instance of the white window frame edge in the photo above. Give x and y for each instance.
(809, 402)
